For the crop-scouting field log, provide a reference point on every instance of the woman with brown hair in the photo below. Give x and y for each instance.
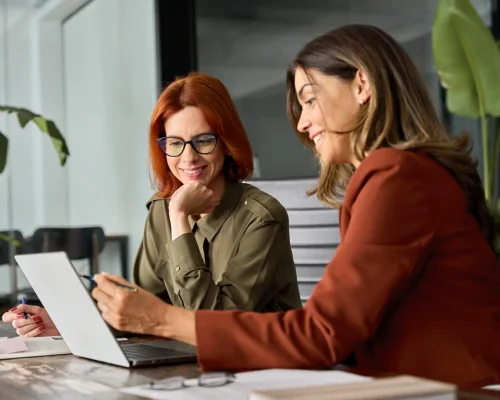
(414, 285)
(210, 241)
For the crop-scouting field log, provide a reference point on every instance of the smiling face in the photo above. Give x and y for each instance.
(329, 105)
(190, 166)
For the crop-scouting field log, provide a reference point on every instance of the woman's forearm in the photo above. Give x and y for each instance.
(179, 324)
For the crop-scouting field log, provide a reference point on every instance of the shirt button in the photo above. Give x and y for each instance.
(177, 269)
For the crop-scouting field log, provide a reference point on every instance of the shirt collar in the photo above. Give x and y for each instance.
(154, 198)
(211, 223)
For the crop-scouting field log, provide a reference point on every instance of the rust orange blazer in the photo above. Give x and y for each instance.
(413, 288)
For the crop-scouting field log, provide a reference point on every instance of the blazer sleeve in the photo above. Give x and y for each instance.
(389, 235)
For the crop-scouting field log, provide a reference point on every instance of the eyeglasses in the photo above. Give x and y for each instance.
(204, 143)
(209, 379)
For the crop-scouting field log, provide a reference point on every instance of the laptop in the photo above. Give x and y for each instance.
(57, 285)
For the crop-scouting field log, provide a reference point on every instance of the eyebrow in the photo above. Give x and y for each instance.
(193, 137)
(303, 87)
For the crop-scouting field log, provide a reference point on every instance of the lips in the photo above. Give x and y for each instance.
(316, 138)
(193, 171)
(313, 136)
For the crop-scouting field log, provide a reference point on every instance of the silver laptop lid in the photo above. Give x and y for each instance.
(66, 299)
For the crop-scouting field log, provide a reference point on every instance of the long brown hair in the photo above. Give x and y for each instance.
(211, 96)
(399, 113)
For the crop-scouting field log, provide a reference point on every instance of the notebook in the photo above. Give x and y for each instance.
(21, 347)
(399, 387)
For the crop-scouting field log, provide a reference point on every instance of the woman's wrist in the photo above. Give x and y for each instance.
(178, 324)
(174, 213)
(179, 224)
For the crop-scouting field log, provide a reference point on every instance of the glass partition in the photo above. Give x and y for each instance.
(248, 45)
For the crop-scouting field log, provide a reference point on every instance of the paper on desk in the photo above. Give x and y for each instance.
(32, 347)
(14, 345)
(247, 381)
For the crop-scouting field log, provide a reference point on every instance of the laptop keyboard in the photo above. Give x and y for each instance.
(142, 351)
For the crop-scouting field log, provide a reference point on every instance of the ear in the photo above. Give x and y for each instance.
(362, 87)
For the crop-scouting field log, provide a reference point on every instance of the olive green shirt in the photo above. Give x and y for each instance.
(237, 257)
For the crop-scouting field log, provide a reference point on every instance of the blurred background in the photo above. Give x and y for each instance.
(96, 68)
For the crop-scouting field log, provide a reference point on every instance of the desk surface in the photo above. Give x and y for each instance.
(70, 377)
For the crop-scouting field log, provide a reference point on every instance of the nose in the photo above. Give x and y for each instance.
(304, 122)
(189, 155)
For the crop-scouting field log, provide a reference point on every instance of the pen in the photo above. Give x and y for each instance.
(91, 279)
(23, 301)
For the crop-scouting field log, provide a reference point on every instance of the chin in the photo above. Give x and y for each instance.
(330, 159)
(202, 180)
(327, 160)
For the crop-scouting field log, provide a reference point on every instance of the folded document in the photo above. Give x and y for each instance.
(398, 387)
(21, 347)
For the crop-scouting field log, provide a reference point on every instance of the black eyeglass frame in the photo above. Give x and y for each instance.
(163, 139)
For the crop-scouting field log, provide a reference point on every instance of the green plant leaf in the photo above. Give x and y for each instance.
(45, 125)
(10, 239)
(4, 146)
(467, 60)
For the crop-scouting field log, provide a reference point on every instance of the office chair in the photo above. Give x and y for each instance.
(314, 229)
(82, 243)
(78, 243)
(7, 252)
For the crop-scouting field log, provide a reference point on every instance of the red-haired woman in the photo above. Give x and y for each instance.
(210, 241)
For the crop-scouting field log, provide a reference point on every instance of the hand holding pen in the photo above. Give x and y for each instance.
(133, 310)
(91, 279)
(30, 321)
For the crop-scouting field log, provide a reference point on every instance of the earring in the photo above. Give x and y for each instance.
(361, 102)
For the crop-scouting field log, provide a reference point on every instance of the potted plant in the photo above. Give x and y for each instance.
(45, 125)
(467, 60)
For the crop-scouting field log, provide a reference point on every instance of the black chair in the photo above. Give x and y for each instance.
(7, 252)
(85, 243)
(78, 243)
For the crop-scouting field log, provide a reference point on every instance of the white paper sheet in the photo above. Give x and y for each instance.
(11, 346)
(34, 347)
(247, 381)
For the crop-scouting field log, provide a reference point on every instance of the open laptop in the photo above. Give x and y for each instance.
(76, 316)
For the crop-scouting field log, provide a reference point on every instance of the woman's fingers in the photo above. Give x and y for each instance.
(20, 321)
(32, 329)
(26, 308)
(35, 332)
(13, 313)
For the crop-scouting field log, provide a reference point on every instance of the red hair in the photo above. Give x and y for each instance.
(212, 98)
